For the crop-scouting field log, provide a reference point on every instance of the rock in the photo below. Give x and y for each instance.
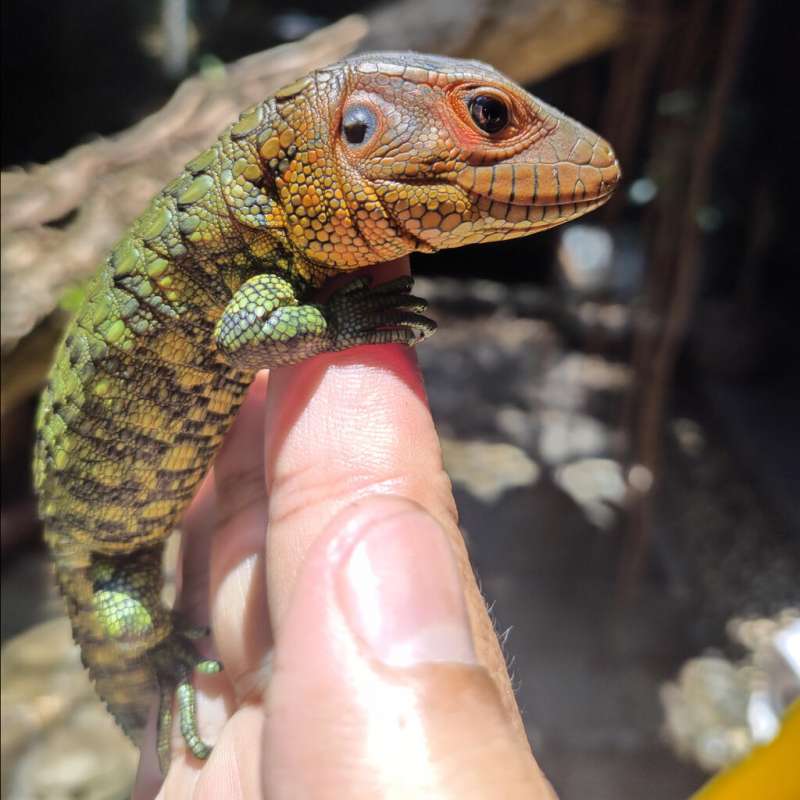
(706, 711)
(585, 259)
(717, 711)
(574, 380)
(595, 484)
(567, 435)
(488, 469)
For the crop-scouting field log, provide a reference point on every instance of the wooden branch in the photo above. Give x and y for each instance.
(526, 39)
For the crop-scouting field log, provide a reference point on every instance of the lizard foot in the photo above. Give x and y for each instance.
(174, 661)
(360, 313)
(265, 325)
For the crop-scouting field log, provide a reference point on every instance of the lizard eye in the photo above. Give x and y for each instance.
(489, 113)
(359, 124)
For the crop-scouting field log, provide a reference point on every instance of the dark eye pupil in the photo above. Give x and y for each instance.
(489, 113)
(359, 124)
(355, 132)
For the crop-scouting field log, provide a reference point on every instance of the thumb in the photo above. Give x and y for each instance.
(376, 689)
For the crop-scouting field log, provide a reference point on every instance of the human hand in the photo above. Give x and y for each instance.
(360, 661)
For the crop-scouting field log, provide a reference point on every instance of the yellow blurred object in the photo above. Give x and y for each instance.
(770, 772)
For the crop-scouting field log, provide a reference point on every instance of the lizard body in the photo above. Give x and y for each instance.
(360, 162)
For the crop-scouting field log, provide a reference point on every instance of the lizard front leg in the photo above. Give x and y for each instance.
(265, 325)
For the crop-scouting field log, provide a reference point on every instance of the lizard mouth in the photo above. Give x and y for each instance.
(519, 215)
(544, 183)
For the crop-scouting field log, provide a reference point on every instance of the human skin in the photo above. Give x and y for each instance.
(360, 660)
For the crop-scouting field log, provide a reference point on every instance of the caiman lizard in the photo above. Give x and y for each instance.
(360, 162)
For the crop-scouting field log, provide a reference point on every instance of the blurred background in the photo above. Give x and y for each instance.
(618, 399)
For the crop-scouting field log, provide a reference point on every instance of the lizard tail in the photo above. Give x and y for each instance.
(117, 618)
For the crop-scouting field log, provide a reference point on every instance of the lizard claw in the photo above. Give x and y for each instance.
(174, 661)
(360, 313)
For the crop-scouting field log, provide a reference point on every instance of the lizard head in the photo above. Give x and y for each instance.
(423, 152)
